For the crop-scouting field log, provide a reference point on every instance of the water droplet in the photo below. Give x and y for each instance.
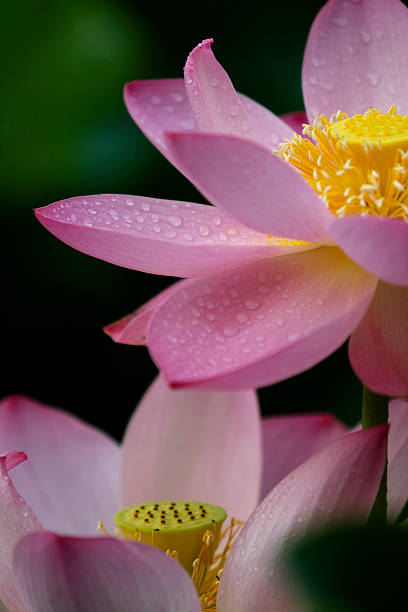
(155, 218)
(226, 301)
(139, 219)
(177, 97)
(327, 85)
(187, 237)
(280, 322)
(242, 317)
(204, 230)
(293, 337)
(145, 206)
(230, 331)
(373, 78)
(252, 304)
(156, 100)
(130, 202)
(232, 231)
(234, 110)
(216, 220)
(175, 221)
(341, 22)
(365, 36)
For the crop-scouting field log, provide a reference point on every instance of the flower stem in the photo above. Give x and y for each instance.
(375, 412)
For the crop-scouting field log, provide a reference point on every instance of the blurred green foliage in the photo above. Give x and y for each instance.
(353, 569)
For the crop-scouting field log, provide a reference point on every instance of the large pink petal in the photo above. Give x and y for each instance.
(287, 441)
(251, 183)
(71, 478)
(131, 329)
(261, 323)
(378, 244)
(339, 482)
(162, 105)
(356, 58)
(156, 236)
(16, 520)
(378, 348)
(194, 445)
(67, 574)
(397, 458)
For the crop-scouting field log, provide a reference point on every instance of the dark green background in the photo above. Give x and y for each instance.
(66, 132)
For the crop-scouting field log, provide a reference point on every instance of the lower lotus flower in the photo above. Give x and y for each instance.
(308, 244)
(174, 449)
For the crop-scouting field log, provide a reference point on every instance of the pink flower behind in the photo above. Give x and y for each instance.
(252, 317)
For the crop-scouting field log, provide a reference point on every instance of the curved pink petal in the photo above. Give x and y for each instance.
(289, 440)
(104, 574)
(131, 329)
(260, 323)
(251, 183)
(162, 105)
(378, 244)
(156, 236)
(213, 99)
(194, 445)
(397, 458)
(356, 58)
(378, 348)
(338, 483)
(71, 479)
(295, 120)
(16, 520)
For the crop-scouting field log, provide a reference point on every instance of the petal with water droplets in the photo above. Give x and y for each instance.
(260, 323)
(356, 57)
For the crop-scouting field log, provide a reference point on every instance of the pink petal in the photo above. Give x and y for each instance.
(131, 329)
(356, 58)
(262, 323)
(16, 519)
(378, 348)
(71, 479)
(162, 105)
(156, 236)
(378, 244)
(339, 482)
(287, 441)
(213, 99)
(249, 182)
(194, 445)
(104, 574)
(295, 120)
(397, 458)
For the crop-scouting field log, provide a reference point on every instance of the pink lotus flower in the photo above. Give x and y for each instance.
(252, 317)
(188, 445)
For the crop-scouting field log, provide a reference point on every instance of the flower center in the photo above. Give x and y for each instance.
(174, 527)
(357, 165)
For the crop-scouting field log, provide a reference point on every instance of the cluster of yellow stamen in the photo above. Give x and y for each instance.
(189, 532)
(358, 165)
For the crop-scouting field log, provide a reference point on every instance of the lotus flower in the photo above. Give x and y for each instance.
(188, 445)
(334, 203)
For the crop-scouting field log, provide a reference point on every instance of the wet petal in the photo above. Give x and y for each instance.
(339, 482)
(356, 57)
(378, 348)
(295, 120)
(252, 184)
(194, 445)
(287, 441)
(378, 244)
(397, 458)
(71, 478)
(16, 520)
(104, 574)
(262, 323)
(156, 236)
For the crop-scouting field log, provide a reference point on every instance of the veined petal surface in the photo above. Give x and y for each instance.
(194, 445)
(104, 574)
(378, 348)
(287, 441)
(252, 184)
(261, 323)
(156, 236)
(71, 478)
(357, 57)
(397, 493)
(16, 520)
(378, 244)
(338, 483)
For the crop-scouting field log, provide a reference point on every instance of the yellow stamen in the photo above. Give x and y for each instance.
(357, 165)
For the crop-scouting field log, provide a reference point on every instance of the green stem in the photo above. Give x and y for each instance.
(375, 412)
